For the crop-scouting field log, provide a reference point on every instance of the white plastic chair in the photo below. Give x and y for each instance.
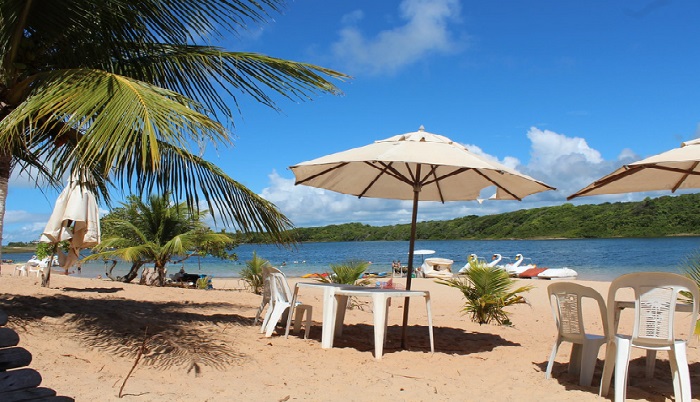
(566, 299)
(281, 304)
(656, 296)
(20, 270)
(265, 295)
(35, 269)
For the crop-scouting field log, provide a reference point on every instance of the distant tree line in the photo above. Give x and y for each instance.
(658, 217)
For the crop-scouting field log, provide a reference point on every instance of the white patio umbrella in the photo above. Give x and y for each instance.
(671, 170)
(75, 217)
(417, 166)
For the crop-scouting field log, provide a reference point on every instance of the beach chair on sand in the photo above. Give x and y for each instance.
(17, 382)
(566, 299)
(281, 305)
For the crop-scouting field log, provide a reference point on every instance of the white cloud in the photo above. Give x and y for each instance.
(426, 30)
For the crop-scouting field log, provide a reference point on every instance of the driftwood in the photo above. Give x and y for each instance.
(17, 382)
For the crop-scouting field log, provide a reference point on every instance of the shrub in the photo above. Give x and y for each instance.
(487, 291)
(252, 273)
(347, 273)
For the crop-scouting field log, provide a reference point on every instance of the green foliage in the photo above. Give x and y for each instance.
(154, 232)
(487, 291)
(347, 273)
(252, 273)
(691, 268)
(204, 283)
(663, 216)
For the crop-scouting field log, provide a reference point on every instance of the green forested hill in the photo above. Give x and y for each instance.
(663, 216)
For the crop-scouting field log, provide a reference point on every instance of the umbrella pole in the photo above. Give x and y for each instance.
(409, 272)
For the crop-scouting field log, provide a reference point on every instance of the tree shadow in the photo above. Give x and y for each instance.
(121, 327)
(93, 290)
(659, 388)
(447, 339)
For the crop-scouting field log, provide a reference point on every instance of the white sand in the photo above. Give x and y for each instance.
(85, 334)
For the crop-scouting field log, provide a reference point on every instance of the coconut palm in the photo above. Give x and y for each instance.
(154, 232)
(487, 291)
(124, 89)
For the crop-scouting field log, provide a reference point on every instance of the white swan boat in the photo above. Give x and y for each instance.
(495, 260)
(517, 269)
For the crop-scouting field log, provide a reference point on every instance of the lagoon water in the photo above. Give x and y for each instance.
(593, 259)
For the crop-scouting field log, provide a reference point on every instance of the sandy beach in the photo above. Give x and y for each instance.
(200, 345)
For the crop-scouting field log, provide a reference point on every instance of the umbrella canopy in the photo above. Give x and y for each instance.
(75, 217)
(417, 166)
(671, 170)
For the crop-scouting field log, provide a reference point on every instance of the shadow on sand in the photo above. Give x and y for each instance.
(657, 389)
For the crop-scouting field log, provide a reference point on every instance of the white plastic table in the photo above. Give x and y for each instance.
(331, 310)
(381, 301)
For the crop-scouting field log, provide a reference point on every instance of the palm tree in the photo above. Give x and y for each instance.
(252, 274)
(123, 89)
(154, 232)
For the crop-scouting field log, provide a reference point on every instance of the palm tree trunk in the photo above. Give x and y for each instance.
(133, 272)
(5, 171)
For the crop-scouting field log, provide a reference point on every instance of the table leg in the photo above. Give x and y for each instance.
(329, 319)
(379, 307)
(430, 322)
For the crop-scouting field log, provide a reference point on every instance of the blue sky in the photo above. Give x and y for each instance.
(562, 91)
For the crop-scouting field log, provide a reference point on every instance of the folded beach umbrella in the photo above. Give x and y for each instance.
(417, 166)
(671, 170)
(75, 217)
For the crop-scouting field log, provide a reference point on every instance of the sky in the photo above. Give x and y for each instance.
(562, 91)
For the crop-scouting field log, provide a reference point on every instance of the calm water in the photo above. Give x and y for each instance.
(598, 259)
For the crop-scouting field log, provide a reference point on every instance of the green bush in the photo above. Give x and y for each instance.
(347, 273)
(252, 273)
(487, 291)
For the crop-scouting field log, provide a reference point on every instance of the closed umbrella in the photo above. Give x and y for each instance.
(75, 218)
(417, 166)
(672, 170)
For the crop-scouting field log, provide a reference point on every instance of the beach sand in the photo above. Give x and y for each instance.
(85, 336)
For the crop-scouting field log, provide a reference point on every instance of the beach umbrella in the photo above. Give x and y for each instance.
(671, 170)
(75, 218)
(417, 166)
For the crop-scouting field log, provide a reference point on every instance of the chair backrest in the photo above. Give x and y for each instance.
(266, 283)
(656, 296)
(279, 288)
(566, 299)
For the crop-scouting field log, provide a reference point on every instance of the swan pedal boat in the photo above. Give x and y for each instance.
(518, 270)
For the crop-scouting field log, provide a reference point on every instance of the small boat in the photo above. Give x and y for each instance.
(495, 260)
(532, 271)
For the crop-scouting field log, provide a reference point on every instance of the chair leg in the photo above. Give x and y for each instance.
(277, 314)
(680, 372)
(555, 348)
(651, 363)
(622, 362)
(575, 360)
(610, 352)
(588, 359)
(268, 314)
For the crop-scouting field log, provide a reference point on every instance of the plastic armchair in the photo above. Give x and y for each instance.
(281, 304)
(566, 299)
(20, 270)
(35, 269)
(656, 299)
